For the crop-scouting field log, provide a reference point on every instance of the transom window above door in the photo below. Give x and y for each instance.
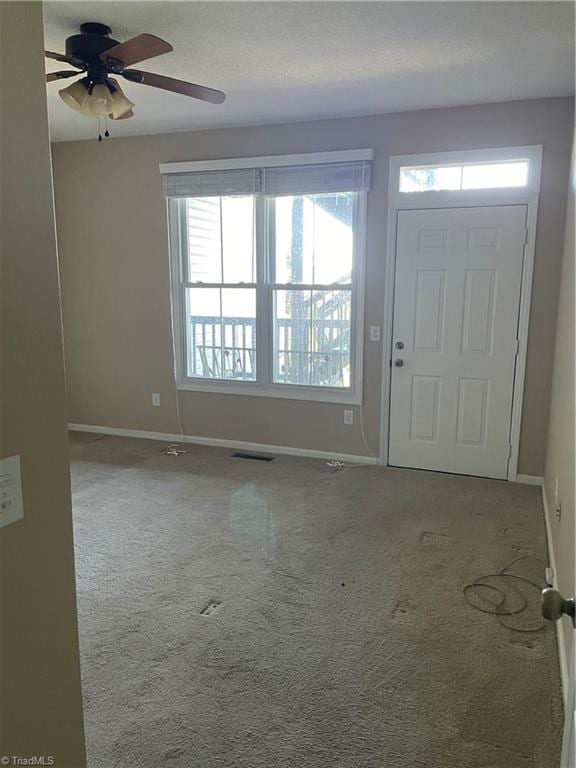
(267, 275)
(467, 175)
(471, 176)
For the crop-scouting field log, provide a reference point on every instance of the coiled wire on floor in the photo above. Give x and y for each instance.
(499, 594)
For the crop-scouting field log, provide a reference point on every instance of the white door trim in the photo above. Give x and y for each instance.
(398, 201)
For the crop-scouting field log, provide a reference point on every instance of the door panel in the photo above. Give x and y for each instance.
(424, 408)
(478, 322)
(457, 294)
(472, 411)
(429, 302)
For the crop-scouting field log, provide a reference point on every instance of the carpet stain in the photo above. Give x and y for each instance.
(526, 646)
(210, 607)
(434, 537)
(174, 753)
(521, 550)
(403, 610)
(513, 532)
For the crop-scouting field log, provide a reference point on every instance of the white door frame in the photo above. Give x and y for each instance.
(399, 201)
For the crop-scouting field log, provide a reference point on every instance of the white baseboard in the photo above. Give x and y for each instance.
(217, 442)
(560, 636)
(530, 480)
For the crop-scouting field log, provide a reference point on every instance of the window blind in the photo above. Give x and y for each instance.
(317, 179)
(353, 176)
(241, 181)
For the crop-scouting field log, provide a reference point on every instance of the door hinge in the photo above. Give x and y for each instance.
(517, 347)
(525, 235)
(509, 450)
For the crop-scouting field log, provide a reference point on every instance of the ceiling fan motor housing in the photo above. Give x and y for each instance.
(93, 40)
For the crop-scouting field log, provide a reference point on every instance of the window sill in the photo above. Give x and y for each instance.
(277, 391)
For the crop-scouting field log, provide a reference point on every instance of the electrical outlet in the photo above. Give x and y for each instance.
(155, 399)
(348, 416)
(557, 502)
(374, 333)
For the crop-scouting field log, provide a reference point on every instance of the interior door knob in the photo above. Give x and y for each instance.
(398, 363)
(554, 605)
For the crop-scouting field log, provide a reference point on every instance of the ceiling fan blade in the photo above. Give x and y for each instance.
(177, 86)
(58, 57)
(137, 49)
(125, 116)
(51, 76)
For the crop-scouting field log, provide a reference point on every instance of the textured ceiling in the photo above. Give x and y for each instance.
(287, 61)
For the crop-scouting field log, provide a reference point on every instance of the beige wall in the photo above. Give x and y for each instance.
(41, 712)
(113, 242)
(560, 457)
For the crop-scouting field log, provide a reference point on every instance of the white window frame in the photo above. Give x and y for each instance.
(398, 201)
(264, 386)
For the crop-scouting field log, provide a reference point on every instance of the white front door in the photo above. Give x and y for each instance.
(456, 302)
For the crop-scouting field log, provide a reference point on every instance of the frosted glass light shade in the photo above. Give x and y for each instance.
(99, 102)
(74, 96)
(120, 104)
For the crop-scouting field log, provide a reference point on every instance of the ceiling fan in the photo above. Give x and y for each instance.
(98, 94)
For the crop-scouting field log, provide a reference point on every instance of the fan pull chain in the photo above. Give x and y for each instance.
(106, 131)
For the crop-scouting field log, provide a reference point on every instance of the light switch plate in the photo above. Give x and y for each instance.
(11, 506)
(374, 333)
(348, 416)
(156, 399)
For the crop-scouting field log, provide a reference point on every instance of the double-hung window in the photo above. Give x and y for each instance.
(267, 274)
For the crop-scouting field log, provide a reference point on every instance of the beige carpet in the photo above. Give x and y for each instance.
(237, 614)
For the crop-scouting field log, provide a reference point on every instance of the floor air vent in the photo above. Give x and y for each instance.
(252, 456)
